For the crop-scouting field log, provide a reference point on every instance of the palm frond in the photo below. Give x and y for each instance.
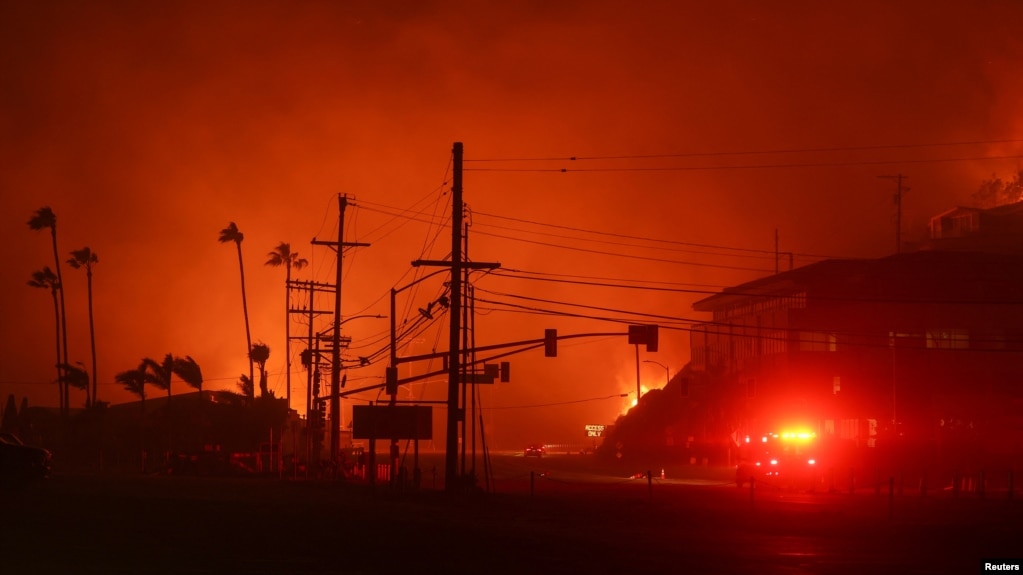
(74, 376)
(43, 218)
(188, 370)
(83, 258)
(231, 234)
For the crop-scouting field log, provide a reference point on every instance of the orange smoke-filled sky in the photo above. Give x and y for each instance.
(148, 127)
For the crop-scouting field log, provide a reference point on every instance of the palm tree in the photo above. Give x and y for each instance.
(45, 278)
(42, 219)
(159, 373)
(188, 370)
(77, 378)
(232, 234)
(85, 258)
(245, 386)
(283, 256)
(134, 380)
(260, 353)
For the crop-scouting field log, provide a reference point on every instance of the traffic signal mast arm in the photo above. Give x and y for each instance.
(530, 342)
(525, 345)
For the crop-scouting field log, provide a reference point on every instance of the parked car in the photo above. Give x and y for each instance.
(21, 463)
(535, 451)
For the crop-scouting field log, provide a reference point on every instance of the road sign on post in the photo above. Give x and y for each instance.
(644, 335)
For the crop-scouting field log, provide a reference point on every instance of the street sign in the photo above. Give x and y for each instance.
(392, 422)
(594, 430)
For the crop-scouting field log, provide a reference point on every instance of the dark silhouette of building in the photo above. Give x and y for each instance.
(922, 348)
(997, 230)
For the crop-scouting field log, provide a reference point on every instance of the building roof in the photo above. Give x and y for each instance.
(917, 276)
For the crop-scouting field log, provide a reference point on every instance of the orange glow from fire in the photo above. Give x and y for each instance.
(262, 115)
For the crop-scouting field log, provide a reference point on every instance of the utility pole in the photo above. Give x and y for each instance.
(310, 357)
(455, 313)
(899, 190)
(776, 254)
(456, 414)
(335, 359)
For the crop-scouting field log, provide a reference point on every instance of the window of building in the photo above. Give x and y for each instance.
(948, 339)
(965, 224)
(817, 341)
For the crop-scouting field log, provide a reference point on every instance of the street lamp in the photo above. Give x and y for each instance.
(394, 336)
(392, 369)
(667, 376)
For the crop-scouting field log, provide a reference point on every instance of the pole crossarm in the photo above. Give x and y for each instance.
(316, 286)
(334, 245)
(465, 265)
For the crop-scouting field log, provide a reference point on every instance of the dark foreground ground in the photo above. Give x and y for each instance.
(543, 517)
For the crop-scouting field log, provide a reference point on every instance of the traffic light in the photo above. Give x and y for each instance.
(550, 343)
(651, 337)
(316, 421)
(505, 372)
(644, 335)
(316, 383)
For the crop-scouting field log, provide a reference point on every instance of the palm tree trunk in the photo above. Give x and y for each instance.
(92, 335)
(56, 334)
(245, 310)
(64, 388)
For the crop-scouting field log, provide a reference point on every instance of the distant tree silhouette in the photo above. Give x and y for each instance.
(9, 423)
(232, 234)
(283, 256)
(44, 218)
(246, 386)
(86, 258)
(134, 380)
(46, 279)
(260, 353)
(997, 192)
(188, 370)
(77, 378)
(159, 373)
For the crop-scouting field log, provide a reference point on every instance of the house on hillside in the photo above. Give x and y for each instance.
(998, 229)
(922, 348)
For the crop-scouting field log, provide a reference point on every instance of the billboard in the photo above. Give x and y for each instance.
(392, 422)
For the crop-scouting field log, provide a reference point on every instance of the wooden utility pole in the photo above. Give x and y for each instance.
(335, 359)
(455, 315)
(899, 191)
(456, 413)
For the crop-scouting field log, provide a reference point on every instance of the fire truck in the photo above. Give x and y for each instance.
(787, 459)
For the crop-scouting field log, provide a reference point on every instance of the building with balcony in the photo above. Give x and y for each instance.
(923, 347)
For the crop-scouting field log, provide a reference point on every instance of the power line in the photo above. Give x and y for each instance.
(756, 294)
(645, 239)
(763, 333)
(749, 152)
(630, 256)
(756, 166)
(499, 407)
(603, 278)
(606, 284)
